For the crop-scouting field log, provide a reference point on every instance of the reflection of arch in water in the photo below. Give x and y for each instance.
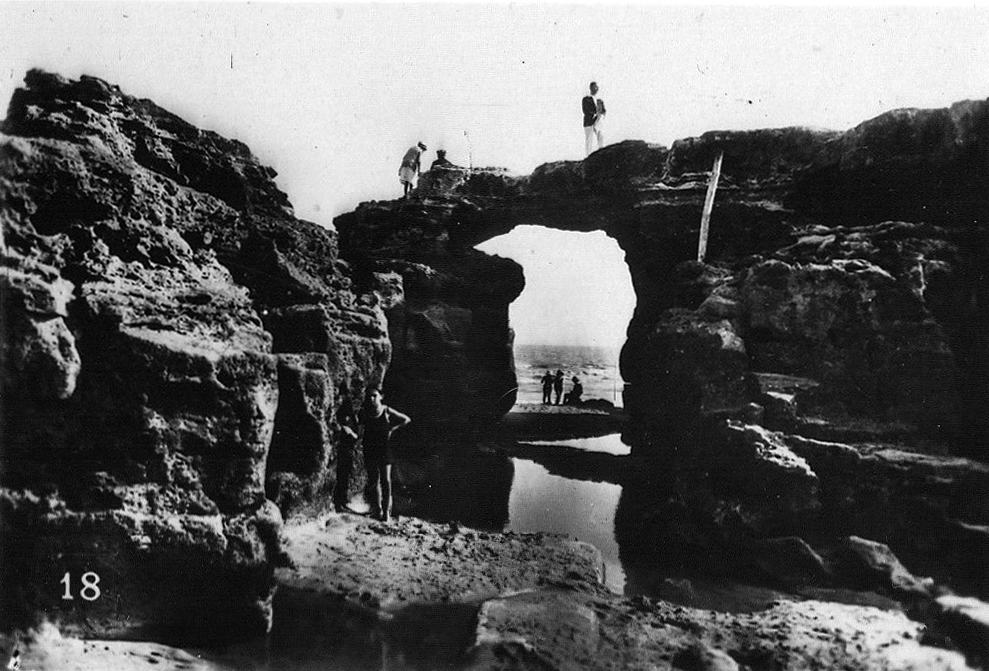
(457, 483)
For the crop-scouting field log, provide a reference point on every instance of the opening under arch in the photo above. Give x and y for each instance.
(574, 311)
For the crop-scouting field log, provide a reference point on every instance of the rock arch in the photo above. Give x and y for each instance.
(834, 290)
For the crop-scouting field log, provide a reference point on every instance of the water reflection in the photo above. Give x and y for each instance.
(541, 501)
(558, 486)
(610, 444)
(465, 486)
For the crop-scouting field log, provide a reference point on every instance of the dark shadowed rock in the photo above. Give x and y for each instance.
(143, 261)
(963, 622)
(869, 562)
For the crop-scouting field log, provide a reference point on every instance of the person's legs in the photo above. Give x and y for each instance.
(374, 485)
(341, 489)
(588, 140)
(384, 477)
(599, 135)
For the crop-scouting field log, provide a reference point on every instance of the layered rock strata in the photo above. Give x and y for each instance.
(176, 344)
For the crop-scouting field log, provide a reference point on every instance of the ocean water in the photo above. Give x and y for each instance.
(596, 367)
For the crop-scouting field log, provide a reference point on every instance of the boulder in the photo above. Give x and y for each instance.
(859, 560)
(689, 369)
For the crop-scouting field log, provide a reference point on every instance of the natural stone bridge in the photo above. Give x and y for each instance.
(176, 345)
(851, 260)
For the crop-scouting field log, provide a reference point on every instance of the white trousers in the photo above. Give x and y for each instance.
(592, 133)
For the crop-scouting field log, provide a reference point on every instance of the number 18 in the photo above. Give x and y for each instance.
(90, 590)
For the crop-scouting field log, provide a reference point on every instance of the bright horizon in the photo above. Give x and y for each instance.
(577, 287)
(331, 96)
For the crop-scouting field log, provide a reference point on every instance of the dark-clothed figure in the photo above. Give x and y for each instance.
(594, 113)
(346, 446)
(547, 381)
(558, 385)
(573, 396)
(441, 160)
(380, 422)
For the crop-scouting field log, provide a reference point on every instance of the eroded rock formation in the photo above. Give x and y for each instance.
(176, 344)
(851, 259)
(842, 301)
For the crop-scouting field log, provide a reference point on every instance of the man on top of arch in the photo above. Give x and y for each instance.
(594, 111)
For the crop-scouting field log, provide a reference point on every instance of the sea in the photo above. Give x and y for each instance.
(595, 366)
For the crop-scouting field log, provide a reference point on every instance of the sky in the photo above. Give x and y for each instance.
(331, 96)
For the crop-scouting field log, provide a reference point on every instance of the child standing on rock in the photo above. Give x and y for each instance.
(380, 421)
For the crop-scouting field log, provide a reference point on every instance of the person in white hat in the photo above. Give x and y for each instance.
(409, 169)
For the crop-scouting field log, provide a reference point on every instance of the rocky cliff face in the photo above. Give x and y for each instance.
(841, 303)
(452, 364)
(176, 344)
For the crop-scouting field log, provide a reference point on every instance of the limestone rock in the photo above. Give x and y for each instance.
(690, 367)
(870, 343)
(560, 630)
(452, 363)
(859, 559)
(965, 622)
(39, 350)
(848, 258)
(143, 260)
(775, 487)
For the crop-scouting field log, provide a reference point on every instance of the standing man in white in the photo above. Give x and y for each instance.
(593, 108)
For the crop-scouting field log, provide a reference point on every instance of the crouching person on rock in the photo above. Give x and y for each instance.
(380, 421)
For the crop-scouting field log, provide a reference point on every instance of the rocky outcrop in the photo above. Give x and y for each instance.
(175, 346)
(427, 596)
(452, 364)
(839, 302)
(847, 258)
(424, 596)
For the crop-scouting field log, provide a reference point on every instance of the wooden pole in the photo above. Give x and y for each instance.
(712, 187)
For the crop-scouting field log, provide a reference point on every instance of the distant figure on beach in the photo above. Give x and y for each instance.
(409, 169)
(441, 160)
(547, 381)
(594, 112)
(346, 445)
(380, 422)
(573, 396)
(558, 385)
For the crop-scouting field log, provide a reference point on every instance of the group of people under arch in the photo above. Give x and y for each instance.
(553, 385)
